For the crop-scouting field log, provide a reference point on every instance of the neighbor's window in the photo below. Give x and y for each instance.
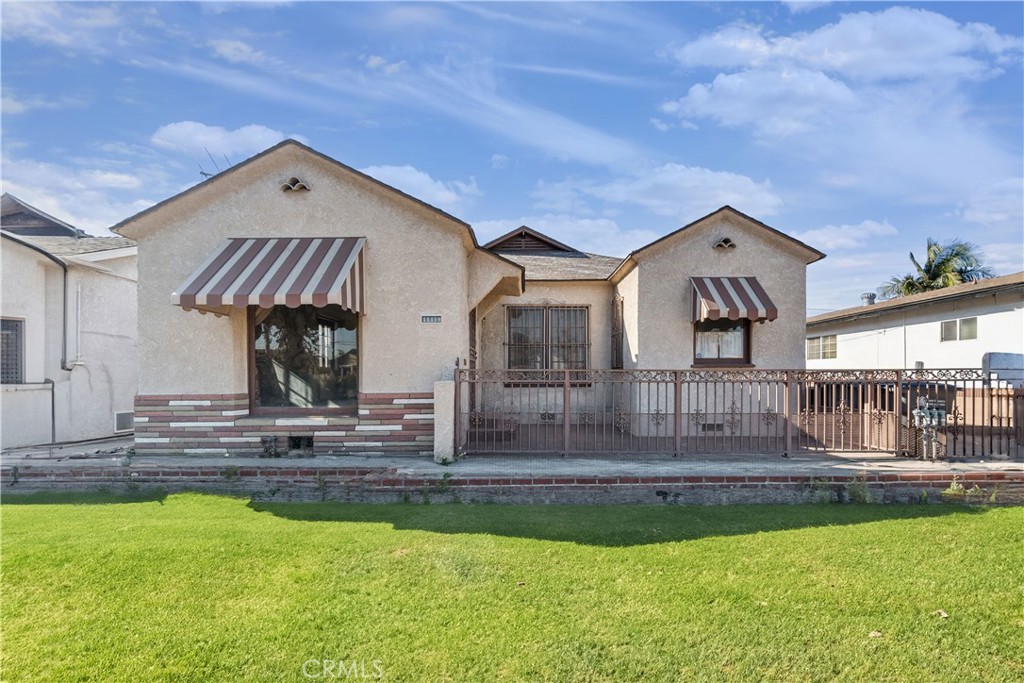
(721, 342)
(821, 347)
(305, 357)
(12, 351)
(962, 329)
(548, 337)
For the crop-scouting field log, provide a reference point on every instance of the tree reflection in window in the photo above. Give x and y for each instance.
(306, 357)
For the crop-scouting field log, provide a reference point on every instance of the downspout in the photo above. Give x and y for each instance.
(53, 411)
(64, 304)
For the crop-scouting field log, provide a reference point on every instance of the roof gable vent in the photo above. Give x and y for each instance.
(293, 184)
(725, 243)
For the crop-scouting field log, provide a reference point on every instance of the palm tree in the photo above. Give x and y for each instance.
(952, 263)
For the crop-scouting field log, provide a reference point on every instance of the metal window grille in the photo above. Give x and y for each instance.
(548, 337)
(12, 351)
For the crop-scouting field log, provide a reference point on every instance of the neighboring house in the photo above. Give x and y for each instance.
(19, 218)
(974, 325)
(68, 352)
(294, 302)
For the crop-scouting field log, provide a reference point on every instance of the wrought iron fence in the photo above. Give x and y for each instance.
(929, 413)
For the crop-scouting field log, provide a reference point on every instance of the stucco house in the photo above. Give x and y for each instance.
(292, 302)
(68, 352)
(974, 325)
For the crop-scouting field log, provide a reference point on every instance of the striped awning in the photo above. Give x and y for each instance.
(277, 271)
(734, 298)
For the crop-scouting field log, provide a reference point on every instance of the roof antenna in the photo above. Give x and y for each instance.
(204, 173)
(212, 159)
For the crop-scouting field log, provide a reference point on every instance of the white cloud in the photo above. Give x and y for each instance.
(378, 63)
(76, 27)
(896, 43)
(801, 6)
(873, 103)
(448, 195)
(846, 236)
(198, 139)
(1003, 257)
(499, 161)
(11, 104)
(674, 190)
(996, 205)
(775, 102)
(85, 194)
(237, 52)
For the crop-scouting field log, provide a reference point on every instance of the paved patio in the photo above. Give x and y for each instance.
(112, 453)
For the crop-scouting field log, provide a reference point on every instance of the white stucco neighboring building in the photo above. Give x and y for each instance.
(975, 325)
(69, 364)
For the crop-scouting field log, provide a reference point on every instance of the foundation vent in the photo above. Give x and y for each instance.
(124, 422)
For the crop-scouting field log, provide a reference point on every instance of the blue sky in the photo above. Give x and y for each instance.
(860, 128)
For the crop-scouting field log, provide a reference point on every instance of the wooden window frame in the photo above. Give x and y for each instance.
(283, 411)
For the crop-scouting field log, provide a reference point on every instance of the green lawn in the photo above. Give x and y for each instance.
(207, 588)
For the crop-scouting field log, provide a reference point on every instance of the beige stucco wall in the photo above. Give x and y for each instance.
(416, 262)
(101, 346)
(661, 298)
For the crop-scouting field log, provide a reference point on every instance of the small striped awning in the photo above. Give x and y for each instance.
(734, 298)
(278, 271)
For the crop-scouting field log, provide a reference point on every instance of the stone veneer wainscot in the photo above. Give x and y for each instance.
(219, 424)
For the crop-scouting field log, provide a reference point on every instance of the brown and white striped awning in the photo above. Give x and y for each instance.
(734, 298)
(278, 271)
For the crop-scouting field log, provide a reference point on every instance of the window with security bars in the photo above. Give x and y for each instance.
(12, 351)
(821, 347)
(548, 337)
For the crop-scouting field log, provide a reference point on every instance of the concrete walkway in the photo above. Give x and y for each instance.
(113, 453)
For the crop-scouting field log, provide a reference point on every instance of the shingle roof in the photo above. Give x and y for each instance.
(964, 290)
(563, 265)
(74, 246)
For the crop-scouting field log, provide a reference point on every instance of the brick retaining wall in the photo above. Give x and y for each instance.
(387, 485)
(217, 424)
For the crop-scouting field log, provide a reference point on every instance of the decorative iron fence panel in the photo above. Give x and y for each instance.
(931, 413)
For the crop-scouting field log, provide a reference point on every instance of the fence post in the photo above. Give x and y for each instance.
(565, 412)
(458, 410)
(788, 399)
(899, 412)
(677, 413)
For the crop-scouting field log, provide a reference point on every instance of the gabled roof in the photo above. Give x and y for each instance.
(812, 253)
(271, 150)
(309, 150)
(21, 218)
(525, 238)
(964, 291)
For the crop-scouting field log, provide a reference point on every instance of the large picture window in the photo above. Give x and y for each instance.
(304, 358)
(721, 342)
(548, 337)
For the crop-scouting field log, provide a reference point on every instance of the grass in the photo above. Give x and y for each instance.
(206, 588)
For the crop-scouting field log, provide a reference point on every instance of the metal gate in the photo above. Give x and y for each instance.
(742, 411)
